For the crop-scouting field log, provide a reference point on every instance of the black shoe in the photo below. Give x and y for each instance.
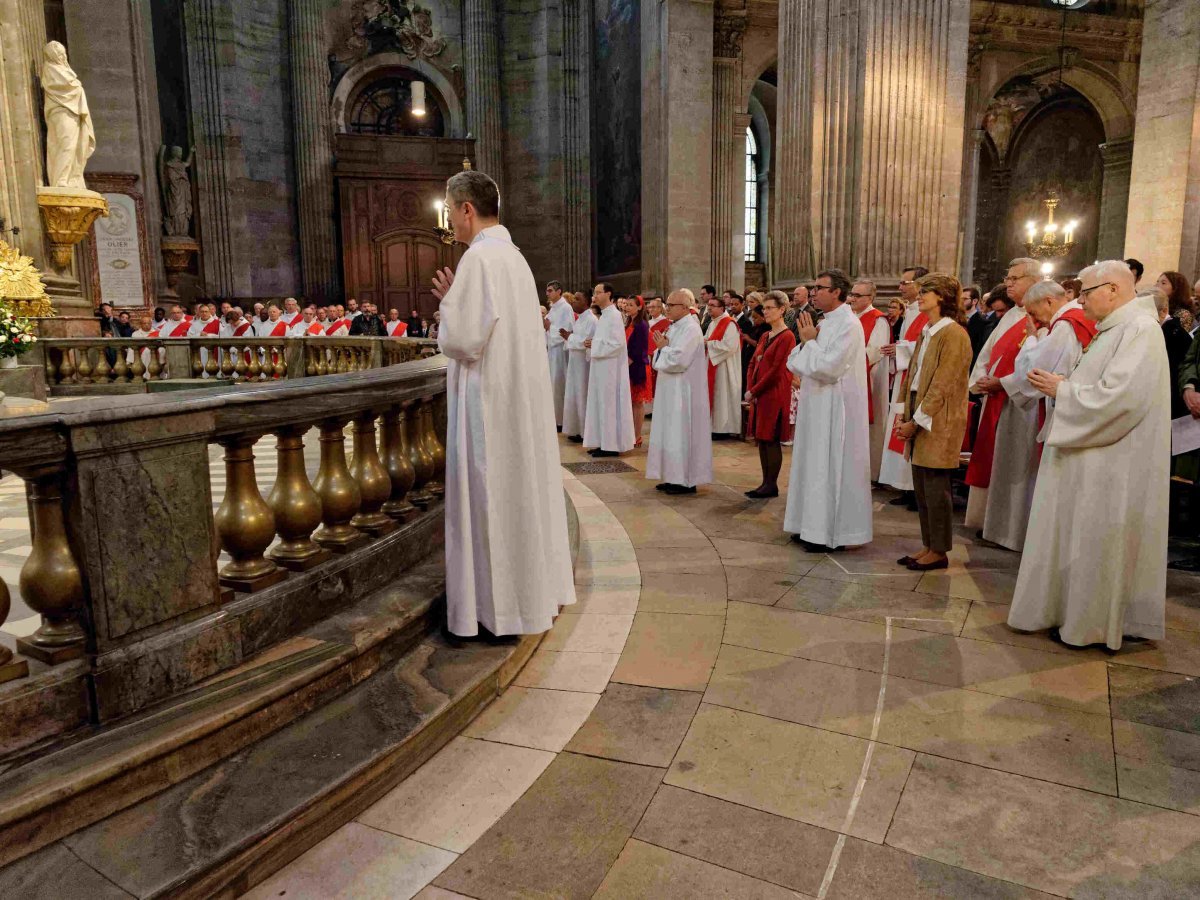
(575, 438)
(679, 489)
(906, 498)
(810, 547)
(906, 560)
(661, 487)
(760, 494)
(604, 454)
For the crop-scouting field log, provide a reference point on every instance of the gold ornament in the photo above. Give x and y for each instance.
(67, 215)
(21, 284)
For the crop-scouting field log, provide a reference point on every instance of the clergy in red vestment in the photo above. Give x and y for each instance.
(396, 327)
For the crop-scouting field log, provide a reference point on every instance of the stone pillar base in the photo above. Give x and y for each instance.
(67, 326)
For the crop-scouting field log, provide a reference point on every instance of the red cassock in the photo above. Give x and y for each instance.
(769, 380)
(1001, 363)
(868, 319)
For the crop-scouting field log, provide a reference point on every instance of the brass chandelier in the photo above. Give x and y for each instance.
(1056, 241)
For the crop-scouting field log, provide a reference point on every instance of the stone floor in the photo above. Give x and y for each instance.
(724, 715)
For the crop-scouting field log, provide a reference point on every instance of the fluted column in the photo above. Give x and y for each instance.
(577, 174)
(483, 85)
(791, 231)
(312, 141)
(727, 174)
(21, 156)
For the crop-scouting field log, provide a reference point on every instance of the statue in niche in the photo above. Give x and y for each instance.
(70, 137)
(176, 186)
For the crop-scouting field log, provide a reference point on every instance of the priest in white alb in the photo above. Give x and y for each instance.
(681, 430)
(608, 422)
(576, 393)
(878, 334)
(1094, 562)
(723, 342)
(560, 320)
(894, 468)
(504, 492)
(829, 491)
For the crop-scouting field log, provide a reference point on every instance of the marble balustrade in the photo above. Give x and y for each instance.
(133, 572)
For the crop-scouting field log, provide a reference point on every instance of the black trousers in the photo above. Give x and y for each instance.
(935, 507)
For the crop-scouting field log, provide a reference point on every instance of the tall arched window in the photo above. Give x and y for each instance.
(752, 163)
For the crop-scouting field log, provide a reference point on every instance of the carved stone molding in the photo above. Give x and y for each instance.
(728, 31)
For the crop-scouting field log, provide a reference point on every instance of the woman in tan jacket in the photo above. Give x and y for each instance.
(935, 415)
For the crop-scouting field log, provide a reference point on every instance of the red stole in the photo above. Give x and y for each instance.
(896, 443)
(280, 329)
(316, 328)
(176, 329)
(718, 333)
(397, 328)
(241, 329)
(868, 319)
(1002, 362)
(1085, 331)
(212, 326)
(293, 320)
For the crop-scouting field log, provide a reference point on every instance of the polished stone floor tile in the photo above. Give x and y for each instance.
(611, 573)
(432, 892)
(841, 567)
(971, 584)
(791, 770)
(1045, 836)
(1163, 699)
(594, 553)
(562, 836)
(643, 870)
(1157, 745)
(842, 642)
(637, 724)
(679, 561)
(459, 793)
(588, 632)
(528, 717)
(1178, 651)
(357, 863)
(670, 651)
(764, 846)
(774, 557)
(867, 871)
(649, 523)
(1159, 785)
(568, 670)
(605, 600)
(872, 603)
(757, 585)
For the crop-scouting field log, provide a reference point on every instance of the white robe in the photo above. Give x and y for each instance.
(881, 336)
(1095, 557)
(977, 498)
(508, 565)
(829, 491)
(1057, 350)
(609, 420)
(894, 469)
(561, 316)
(575, 396)
(726, 355)
(681, 431)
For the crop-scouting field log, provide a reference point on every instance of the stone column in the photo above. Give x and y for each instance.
(870, 135)
(313, 142)
(727, 163)
(1163, 228)
(208, 26)
(1114, 199)
(483, 85)
(966, 269)
(577, 166)
(22, 34)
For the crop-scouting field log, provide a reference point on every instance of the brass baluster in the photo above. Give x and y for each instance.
(9, 669)
(137, 367)
(422, 462)
(83, 365)
(155, 366)
(66, 371)
(120, 367)
(241, 367)
(197, 361)
(254, 370)
(395, 460)
(310, 361)
(343, 364)
(51, 366)
(340, 495)
(227, 356)
(374, 483)
(296, 505)
(210, 365)
(102, 370)
(435, 450)
(280, 362)
(245, 522)
(322, 360)
(51, 581)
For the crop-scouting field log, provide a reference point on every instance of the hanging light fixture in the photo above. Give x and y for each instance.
(418, 98)
(1056, 241)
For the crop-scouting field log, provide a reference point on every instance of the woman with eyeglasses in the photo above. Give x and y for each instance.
(769, 394)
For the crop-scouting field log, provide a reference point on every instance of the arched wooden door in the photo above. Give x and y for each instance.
(406, 261)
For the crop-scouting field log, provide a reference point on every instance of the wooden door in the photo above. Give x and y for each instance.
(407, 261)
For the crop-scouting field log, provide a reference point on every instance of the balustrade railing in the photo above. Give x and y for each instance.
(125, 365)
(153, 595)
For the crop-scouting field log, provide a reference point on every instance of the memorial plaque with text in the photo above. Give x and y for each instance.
(119, 255)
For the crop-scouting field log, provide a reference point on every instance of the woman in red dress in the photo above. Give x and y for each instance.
(769, 393)
(637, 340)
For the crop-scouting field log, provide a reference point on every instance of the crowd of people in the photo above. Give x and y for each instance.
(1035, 392)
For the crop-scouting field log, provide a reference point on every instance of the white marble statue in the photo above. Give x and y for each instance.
(70, 138)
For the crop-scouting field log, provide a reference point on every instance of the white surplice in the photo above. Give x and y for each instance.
(726, 355)
(609, 421)
(1057, 351)
(508, 565)
(829, 491)
(681, 430)
(977, 498)
(881, 336)
(575, 395)
(1095, 557)
(561, 317)
(894, 470)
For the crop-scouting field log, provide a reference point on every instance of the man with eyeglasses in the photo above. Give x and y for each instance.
(894, 469)
(829, 491)
(723, 343)
(801, 305)
(608, 421)
(1007, 434)
(707, 292)
(878, 334)
(1093, 565)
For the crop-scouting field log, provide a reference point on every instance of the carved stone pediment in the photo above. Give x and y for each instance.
(397, 26)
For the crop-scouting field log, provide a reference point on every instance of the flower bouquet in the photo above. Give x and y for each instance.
(16, 335)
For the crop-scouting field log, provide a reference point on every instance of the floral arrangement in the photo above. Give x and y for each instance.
(16, 334)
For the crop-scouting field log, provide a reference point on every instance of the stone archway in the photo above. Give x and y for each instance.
(368, 69)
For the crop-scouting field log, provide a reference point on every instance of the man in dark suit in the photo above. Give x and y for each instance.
(707, 293)
(979, 323)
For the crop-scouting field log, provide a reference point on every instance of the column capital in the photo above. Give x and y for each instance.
(728, 31)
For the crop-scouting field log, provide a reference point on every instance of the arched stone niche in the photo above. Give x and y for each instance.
(367, 70)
